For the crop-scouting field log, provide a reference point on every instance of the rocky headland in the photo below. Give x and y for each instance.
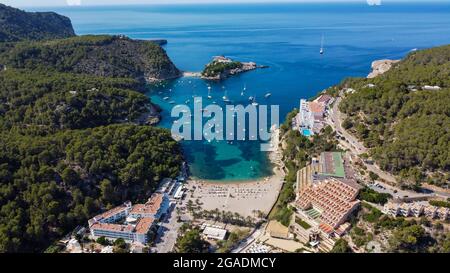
(222, 67)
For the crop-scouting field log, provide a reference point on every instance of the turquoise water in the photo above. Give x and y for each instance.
(306, 132)
(286, 37)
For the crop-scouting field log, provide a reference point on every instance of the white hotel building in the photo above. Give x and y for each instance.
(137, 221)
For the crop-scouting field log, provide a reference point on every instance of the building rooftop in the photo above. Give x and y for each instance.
(316, 107)
(324, 99)
(216, 233)
(111, 212)
(144, 225)
(112, 227)
(151, 207)
(335, 198)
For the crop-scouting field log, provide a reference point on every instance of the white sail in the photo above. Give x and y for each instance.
(321, 46)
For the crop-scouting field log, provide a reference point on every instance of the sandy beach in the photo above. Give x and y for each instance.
(243, 197)
(188, 74)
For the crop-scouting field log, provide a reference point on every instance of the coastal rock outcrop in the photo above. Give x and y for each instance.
(222, 67)
(17, 25)
(105, 56)
(380, 67)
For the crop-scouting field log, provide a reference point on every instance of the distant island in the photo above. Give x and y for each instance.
(222, 67)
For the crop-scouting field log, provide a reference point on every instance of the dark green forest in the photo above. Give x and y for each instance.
(68, 146)
(50, 184)
(61, 159)
(52, 100)
(16, 25)
(405, 124)
(216, 68)
(100, 55)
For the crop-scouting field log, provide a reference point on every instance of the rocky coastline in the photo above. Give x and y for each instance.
(380, 67)
(221, 68)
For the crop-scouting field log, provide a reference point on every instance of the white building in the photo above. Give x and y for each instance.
(138, 220)
(156, 206)
(415, 209)
(215, 233)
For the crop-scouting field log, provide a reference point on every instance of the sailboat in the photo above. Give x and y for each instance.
(254, 103)
(243, 90)
(321, 47)
(225, 98)
(209, 92)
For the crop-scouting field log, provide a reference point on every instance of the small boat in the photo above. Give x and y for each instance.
(166, 98)
(225, 97)
(254, 103)
(209, 92)
(172, 102)
(243, 90)
(268, 95)
(321, 47)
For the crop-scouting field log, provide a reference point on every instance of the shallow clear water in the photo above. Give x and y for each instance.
(285, 37)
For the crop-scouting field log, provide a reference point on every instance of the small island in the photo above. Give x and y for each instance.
(222, 67)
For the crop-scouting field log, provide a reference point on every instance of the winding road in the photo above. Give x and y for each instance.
(350, 142)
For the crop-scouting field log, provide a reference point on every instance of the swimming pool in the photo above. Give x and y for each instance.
(306, 132)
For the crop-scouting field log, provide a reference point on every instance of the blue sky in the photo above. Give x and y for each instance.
(25, 3)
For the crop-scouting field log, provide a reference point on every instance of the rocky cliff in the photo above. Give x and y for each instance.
(380, 67)
(106, 56)
(16, 25)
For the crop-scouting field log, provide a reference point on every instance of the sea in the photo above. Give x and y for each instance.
(285, 37)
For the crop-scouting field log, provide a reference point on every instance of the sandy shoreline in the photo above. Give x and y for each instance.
(188, 74)
(229, 182)
(242, 197)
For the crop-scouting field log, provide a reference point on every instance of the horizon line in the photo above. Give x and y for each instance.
(225, 2)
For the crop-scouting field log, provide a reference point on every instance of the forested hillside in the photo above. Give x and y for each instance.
(52, 100)
(404, 119)
(68, 147)
(106, 56)
(16, 25)
(52, 183)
